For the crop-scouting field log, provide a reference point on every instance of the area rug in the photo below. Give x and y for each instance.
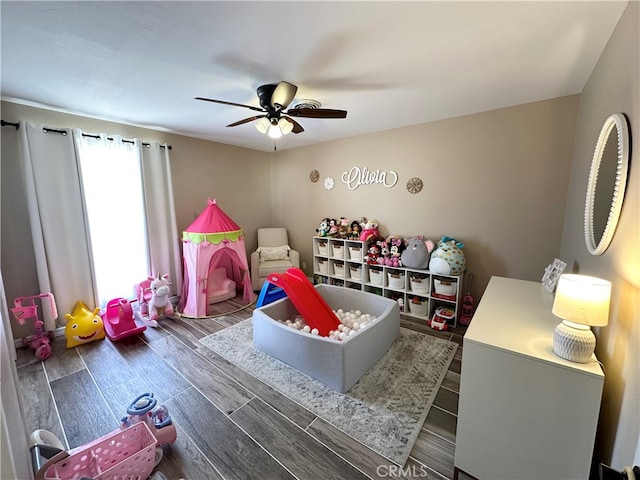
(384, 411)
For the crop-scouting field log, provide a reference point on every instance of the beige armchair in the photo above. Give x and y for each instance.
(273, 255)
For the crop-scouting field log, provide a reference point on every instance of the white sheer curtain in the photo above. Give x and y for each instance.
(56, 214)
(111, 174)
(164, 250)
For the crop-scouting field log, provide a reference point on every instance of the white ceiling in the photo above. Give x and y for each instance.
(389, 64)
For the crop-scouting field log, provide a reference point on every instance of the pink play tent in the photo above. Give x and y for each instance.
(212, 241)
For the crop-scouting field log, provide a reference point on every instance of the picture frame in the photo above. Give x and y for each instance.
(552, 273)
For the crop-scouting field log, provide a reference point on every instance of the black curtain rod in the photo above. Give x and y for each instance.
(9, 124)
(123, 140)
(64, 132)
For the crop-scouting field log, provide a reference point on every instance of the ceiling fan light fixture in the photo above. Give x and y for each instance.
(285, 125)
(274, 120)
(262, 125)
(274, 131)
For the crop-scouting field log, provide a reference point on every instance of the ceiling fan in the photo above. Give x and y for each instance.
(275, 120)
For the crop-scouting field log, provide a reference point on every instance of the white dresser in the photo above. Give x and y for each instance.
(524, 412)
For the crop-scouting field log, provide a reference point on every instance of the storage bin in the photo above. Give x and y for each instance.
(128, 453)
(419, 284)
(355, 272)
(337, 250)
(375, 276)
(323, 266)
(355, 254)
(445, 287)
(395, 280)
(323, 249)
(338, 269)
(418, 306)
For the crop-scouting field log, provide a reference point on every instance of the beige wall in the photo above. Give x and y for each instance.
(496, 181)
(614, 87)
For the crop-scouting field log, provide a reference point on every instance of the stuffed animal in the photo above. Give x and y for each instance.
(448, 257)
(354, 230)
(416, 255)
(323, 227)
(160, 305)
(373, 253)
(333, 228)
(369, 231)
(384, 252)
(396, 247)
(343, 227)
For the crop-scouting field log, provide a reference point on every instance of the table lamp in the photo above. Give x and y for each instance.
(581, 302)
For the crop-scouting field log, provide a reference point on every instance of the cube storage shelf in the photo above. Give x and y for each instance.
(340, 262)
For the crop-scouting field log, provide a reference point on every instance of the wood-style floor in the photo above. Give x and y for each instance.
(230, 425)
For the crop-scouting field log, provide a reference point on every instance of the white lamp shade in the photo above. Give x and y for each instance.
(582, 299)
(263, 124)
(274, 131)
(285, 125)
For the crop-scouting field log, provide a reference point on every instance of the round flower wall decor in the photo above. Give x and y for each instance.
(414, 185)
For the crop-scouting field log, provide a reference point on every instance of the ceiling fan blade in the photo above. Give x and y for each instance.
(246, 120)
(282, 95)
(297, 128)
(317, 113)
(257, 109)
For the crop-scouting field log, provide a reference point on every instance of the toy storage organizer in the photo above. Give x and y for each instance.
(340, 262)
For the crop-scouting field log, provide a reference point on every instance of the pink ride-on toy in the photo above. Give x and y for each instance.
(118, 320)
(26, 308)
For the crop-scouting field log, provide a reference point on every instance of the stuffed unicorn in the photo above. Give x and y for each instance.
(160, 305)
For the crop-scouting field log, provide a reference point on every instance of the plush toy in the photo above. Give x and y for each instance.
(416, 255)
(83, 325)
(369, 231)
(373, 253)
(384, 252)
(160, 305)
(448, 257)
(343, 227)
(323, 227)
(355, 230)
(333, 228)
(396, 247)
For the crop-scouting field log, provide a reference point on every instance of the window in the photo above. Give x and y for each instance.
(111, 180)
